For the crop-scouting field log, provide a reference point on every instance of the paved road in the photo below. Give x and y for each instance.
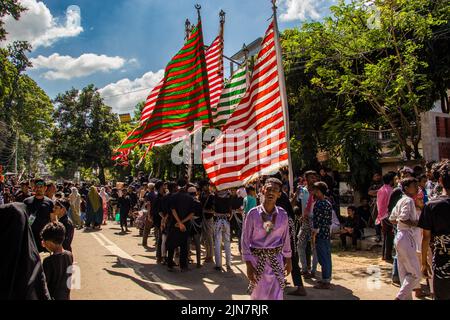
(115, 266)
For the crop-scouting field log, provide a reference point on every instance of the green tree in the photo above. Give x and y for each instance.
(25, 111)
(382, 66)
(322, 120)
(85, 134)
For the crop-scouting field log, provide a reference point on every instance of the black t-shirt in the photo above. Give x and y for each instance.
(284, 203)
(436, 216)
(165, 208)
(55, 268)
(236, 202)
(67, 244)
(133, 198)
(222, 205)
(156, 208)
(364, 212)
(396, 195)
(143, 179)
(150, 196)
(183, 204)
(84, 191)
(198, 213)
(207, 201)
(354, 223)
(41, 209)
(125, 204)
(328, 180)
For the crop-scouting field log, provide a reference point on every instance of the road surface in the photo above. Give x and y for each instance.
(113, 266)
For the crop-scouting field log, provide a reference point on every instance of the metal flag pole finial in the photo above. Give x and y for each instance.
(198, 7)
(274, 4)
(222, 16)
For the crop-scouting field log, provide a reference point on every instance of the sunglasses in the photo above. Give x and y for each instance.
(40, 184)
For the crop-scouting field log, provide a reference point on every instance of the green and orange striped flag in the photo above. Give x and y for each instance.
(183, 97)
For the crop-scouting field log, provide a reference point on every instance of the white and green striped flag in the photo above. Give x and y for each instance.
(231, 96)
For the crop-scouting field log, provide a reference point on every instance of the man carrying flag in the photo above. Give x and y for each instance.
(266, 245)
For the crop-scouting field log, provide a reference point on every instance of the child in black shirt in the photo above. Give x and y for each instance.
(352, 229)
(60, 210)
(56, 266)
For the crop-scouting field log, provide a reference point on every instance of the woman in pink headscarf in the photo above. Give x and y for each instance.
(105, 199)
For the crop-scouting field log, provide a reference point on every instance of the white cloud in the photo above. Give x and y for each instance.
(123, 95)
(67, 67)
(303, 9)
(39, 27)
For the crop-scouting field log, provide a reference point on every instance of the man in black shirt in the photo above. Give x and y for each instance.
(39, 209)
(352, 228)
(157, 216)
(166, 213)
(23, 193)
(435, 222)
(149, 199)
(84, 190)
(283, 202)
(196, 224)
(222, 215)
(237, 211)
(181, 206)
(125, 206)
(134, 202)
(206, 199)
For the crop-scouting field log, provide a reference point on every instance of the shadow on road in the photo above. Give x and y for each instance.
(203, 283)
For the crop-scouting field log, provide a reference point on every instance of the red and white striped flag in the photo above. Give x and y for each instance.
(253, 141)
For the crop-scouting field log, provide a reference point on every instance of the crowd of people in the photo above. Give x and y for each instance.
(279, 231)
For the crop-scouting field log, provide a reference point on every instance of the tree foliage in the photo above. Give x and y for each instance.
(347, 74)
(85, 134)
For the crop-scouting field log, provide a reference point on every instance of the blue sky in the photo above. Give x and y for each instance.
(122, 45)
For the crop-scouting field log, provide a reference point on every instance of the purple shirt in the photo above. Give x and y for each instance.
(254, 235)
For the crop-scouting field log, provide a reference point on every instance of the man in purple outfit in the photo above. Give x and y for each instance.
(266, 246)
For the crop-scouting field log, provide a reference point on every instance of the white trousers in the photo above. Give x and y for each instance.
(408, 264)
(222, 232)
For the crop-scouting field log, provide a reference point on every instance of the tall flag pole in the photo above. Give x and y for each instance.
(284, 99)
(253, 142)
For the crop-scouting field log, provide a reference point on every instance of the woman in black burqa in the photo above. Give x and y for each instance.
(21, 273)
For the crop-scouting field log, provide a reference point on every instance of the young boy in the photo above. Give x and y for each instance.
(59, 214)
(322, 218)
(57, 264)
(351, 228)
